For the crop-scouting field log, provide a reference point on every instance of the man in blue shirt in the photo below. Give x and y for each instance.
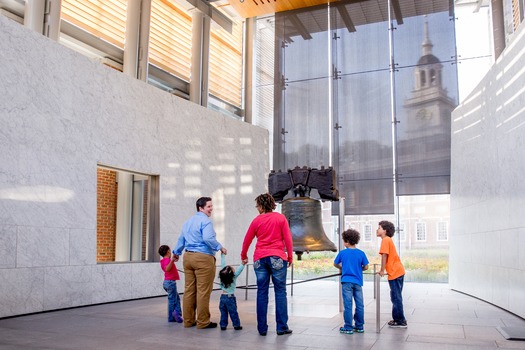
(198, 241)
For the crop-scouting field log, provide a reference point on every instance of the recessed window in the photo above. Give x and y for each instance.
(127, 215)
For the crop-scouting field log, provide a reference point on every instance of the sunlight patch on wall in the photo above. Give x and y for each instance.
(44, 194)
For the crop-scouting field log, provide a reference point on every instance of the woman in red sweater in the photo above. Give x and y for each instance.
(273, 254)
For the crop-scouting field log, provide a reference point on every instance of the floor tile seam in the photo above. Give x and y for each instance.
(454, 341)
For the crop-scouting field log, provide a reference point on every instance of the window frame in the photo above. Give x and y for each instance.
(421, 235)
(439, 226)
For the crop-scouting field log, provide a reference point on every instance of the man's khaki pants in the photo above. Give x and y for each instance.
(199, 271)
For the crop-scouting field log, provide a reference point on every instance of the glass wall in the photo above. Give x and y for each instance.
(369, 88)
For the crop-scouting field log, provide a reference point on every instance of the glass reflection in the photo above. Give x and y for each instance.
(335, 96)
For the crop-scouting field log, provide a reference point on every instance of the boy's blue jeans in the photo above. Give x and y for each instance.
(228, 305)
(274, 267)
(173, 299)
(351, 290)
(396, 288)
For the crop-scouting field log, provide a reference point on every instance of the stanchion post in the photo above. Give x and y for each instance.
(246, 289)
(375, 272)
(377, 280)
(291, 285)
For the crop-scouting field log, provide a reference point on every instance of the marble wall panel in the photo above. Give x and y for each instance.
(492, 247)
(520, 243)
(500, 290)
(67, 286)
(488, 184)
(517, 291)
(21, 291)
(112, 282)
(82, 247)
(42, 246)
(147, 280)
(510, 239)
(169, 238)
(7, 246)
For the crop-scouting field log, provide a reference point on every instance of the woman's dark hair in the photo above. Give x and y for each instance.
(201, 202)
(163, 250)
(266, 202)
(226, 276)
(388, 227)
(351, 236)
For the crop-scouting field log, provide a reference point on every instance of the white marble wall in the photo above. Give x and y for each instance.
(61, 115)
(487, 233)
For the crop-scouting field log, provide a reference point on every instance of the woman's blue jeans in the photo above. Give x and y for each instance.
(173, 299)
(274, 267)
(396, 289)
(353, 291)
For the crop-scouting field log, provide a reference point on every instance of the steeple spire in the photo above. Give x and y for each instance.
(427, 44)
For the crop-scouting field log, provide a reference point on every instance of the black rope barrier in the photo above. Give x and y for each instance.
(254, 286)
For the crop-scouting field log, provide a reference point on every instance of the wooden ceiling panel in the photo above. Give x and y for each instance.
(361, 11)
(253, 8)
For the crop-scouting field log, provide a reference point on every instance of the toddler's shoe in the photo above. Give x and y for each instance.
(344, 330)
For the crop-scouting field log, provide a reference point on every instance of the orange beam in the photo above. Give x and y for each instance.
(252, 8)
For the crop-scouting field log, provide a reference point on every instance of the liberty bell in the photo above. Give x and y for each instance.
(302, 211)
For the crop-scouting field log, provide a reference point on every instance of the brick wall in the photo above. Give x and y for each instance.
(106, 214)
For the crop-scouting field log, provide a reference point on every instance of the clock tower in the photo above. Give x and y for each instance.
(429, 108)
(424, 131)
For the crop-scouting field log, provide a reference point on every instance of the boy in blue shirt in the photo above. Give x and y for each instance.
(352, 262)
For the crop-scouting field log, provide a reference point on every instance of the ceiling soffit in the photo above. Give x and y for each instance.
(351, 14)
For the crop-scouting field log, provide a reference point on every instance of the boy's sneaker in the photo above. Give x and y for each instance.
(344, 330)
(238, 328)
(357, 330)
(391, 322)
(398, 324)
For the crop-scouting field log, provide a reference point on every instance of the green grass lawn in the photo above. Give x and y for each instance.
(421, 265)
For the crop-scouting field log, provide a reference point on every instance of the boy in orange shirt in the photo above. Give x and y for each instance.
(391, 262)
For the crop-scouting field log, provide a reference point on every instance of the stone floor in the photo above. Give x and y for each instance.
(438, 318)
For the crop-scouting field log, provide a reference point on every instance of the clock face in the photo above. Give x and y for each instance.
(423, 114)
